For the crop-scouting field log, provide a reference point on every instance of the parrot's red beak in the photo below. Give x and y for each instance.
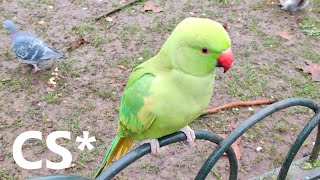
(225, 60)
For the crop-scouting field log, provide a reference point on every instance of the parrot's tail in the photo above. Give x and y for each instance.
(119, 147)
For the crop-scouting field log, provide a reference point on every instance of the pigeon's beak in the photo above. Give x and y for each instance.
(225, 60)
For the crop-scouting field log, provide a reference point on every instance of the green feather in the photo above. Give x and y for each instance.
(114, 142)
(133, 103)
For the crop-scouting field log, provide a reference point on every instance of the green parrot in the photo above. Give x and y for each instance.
(167, 92)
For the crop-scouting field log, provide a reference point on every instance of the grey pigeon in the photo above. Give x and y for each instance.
(293, 5)
(29, 48)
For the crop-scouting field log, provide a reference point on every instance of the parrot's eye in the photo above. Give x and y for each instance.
(204, 51)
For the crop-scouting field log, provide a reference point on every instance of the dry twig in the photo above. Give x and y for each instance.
(238, 103)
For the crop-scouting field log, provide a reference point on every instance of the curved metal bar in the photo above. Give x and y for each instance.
(235, 134)
(297, 145)
(144, 149)
(316, 148)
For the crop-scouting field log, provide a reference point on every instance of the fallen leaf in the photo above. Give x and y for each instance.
(41, 22)
(122, 67)
(49, 89)
(234, 146)
(150, 6)
(51, 81)
(79, 42)
(72, 165)
(313, 69)
(225, 26)
(109, 19)
(285, 35)
(259, 149)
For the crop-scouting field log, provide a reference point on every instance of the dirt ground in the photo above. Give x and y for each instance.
(103, 53)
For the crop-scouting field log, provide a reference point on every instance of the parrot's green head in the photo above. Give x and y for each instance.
(198, 45)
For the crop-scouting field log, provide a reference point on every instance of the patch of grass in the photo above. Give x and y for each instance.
(83, 158)
(18, 122)
(148, 167)
(216, 173)
(7, 56)
(254, 27)
(147, 53)
(45, 76)
(84, 29)
(18, 83)
(249, 82)
(142, 36)
(35, 112)
(258, 159)
(305, 89)
(294, 127)
(154, 169)
(97, 40)
(308, 165)
(72, 120)
(6, 175)
(65, 66)
(105, 93)
(281, 128)
(128, 31)
(171, 24)
(255, 133)
(277, 137)
(258, 5)
(311, 55)
(50, 98)
(277, 160)
(271, 42)
(310, 26)
(10, 83)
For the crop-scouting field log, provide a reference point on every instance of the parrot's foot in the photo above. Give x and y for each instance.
(189, 133)
(35, 69)
(154, 143)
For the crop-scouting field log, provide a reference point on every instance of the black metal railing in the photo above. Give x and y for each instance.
(137, 153)
(236, 133)
(224, 145)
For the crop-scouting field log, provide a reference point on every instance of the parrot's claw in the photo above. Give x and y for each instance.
(154, 143)
(189, 133)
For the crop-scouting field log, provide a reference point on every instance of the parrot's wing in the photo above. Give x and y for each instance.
(136, 104)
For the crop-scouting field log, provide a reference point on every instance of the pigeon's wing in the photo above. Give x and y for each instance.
(50, 53)
(31, 48)
(27, 47)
